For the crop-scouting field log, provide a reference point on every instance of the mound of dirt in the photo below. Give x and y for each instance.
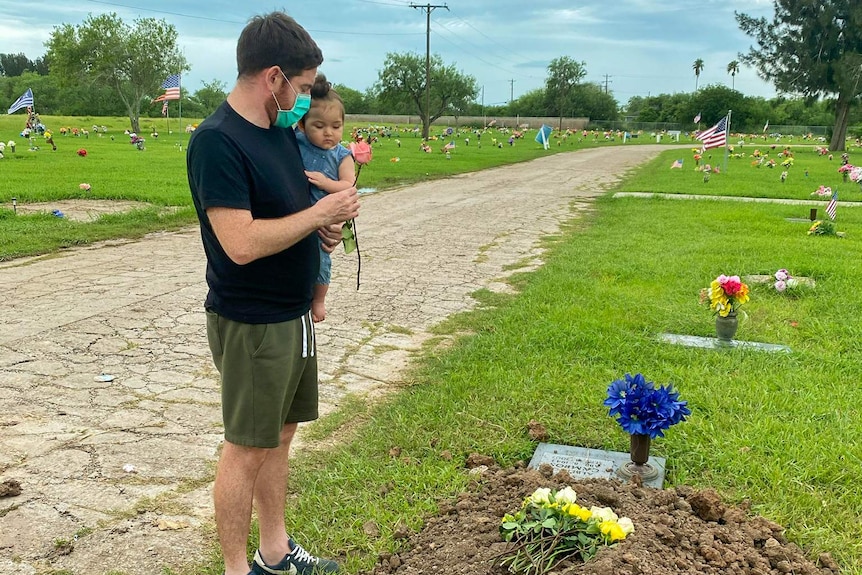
(678, 530)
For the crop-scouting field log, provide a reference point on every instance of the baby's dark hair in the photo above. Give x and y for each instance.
(323, 94)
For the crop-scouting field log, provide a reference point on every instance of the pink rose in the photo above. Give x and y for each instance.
(361, 152)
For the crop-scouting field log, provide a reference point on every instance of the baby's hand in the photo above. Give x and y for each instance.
(318, 179)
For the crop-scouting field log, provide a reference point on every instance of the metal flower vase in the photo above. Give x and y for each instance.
(639, 465)
(726, 326)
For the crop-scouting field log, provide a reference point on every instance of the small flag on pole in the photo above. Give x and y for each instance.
(172, 88)
(833, 203)
(165, 108)
(766, 127)
(22, 102)
(714, 137)
(676, 164)
(544, 135)
(697, 118)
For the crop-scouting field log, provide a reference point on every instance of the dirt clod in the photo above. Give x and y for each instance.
(10, 488)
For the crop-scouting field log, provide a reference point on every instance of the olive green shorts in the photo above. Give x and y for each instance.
(268, 376)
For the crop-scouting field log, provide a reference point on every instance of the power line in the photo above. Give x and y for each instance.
(507, 48)
(436, 24)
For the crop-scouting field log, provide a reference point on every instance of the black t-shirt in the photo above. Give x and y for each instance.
(234, 164)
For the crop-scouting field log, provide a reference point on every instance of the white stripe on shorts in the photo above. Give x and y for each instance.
(307, 330)
(313, 334)
(304, 338)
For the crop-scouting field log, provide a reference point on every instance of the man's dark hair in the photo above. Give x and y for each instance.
(276, 39)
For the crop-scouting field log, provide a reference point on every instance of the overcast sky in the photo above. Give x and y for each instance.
(634, 47)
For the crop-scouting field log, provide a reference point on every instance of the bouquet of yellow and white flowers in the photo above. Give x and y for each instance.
(551, 527)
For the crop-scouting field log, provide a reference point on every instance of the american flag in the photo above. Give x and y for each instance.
(714, 137)
(833, 203)
(697, 118)
(676, 164)
(172, 88)
(165, 108)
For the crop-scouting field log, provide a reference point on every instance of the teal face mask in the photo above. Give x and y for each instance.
(287, 118)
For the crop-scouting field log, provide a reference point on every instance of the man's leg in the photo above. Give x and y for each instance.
(270, 493)
(238, 468)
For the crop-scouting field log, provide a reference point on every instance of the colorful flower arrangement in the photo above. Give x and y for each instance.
(641, 408)
(551, 527)
(851, 172)
(788, 163)
(822, 191)
(822, 228)
(783, 280)
(725, 294)
(84, 187)
(82, 152)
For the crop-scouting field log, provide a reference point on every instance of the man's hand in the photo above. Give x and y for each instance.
(340, 206)
(330, 237)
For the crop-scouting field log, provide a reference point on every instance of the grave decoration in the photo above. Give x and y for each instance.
(645, 412)
(551, 527)
(724, 296)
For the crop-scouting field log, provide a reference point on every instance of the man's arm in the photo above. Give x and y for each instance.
(245, 239)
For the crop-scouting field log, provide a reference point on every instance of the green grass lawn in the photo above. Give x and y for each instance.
(781, 431)
(809, 171)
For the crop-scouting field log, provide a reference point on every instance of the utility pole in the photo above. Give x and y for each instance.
(606, 83)
(511, 90)
(426, 121)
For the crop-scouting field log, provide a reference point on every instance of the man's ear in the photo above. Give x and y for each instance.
(273, 78)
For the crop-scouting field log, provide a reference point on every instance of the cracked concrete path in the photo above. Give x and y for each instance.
(116, 475)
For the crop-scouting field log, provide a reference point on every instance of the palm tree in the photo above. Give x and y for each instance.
(698, 68)
(733, 70)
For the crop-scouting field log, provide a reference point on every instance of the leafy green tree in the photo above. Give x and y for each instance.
(698, 68)
(591, 101)
(532, 103)
(105, 51)
(208, 97)
(15, 64)
(812, 48)
(564, 74)
(713, 102)
(354, 101)
(733, 70)
(666, 108)
(402, 82)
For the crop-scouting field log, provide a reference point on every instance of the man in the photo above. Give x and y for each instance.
(260, 235)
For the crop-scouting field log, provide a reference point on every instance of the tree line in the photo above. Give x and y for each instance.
(812, 50)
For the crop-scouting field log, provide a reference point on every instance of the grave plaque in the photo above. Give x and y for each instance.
(584, 463)
(713, 343)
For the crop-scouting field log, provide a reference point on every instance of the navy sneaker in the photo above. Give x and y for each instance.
(297, 562)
